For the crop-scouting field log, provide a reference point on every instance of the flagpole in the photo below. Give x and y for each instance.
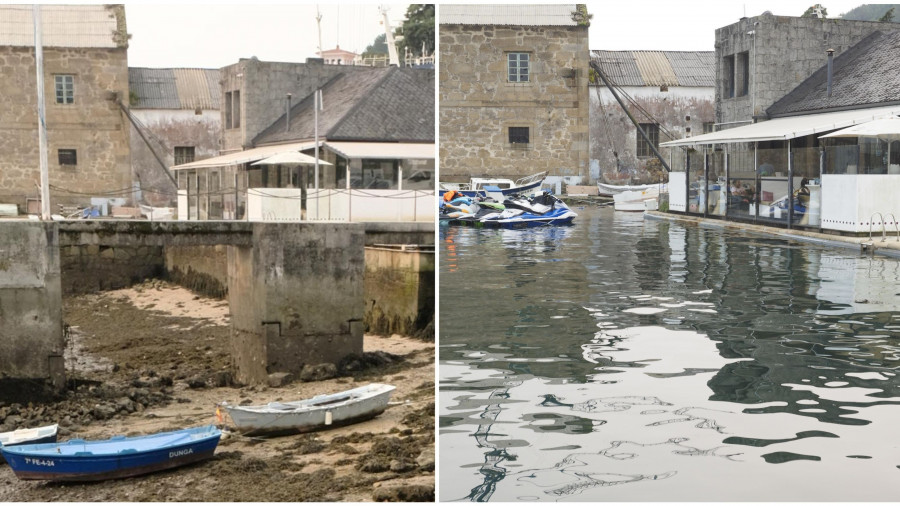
(42, 123)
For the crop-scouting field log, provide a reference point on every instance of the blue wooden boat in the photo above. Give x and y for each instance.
(117, 457)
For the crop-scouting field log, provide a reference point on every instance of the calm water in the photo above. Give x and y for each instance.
(624, 359)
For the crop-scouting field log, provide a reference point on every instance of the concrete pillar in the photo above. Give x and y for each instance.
(296, 297)
(31, 336)
(400, 289)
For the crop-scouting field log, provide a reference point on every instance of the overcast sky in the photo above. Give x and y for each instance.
(209, 34)
(686, 25)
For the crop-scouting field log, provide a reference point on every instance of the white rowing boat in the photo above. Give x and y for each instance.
(319, 412)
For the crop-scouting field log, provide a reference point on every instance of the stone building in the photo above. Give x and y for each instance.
(176, 120)
(671, 94)
(85, 78)
(761, 59)
(513, 91)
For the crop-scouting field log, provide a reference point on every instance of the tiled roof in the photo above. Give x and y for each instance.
(377, 104)
(508, 15)
(77, 26)
(658, 68)
(174, 88)
(864, 75)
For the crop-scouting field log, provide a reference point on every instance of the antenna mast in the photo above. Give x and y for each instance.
(319, 25)
(389, 38)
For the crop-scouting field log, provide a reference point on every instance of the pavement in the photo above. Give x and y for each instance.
(887, 244)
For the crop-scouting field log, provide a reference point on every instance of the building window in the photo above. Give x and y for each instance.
(742, 74)
(652, 131)
(517, 66)
(709, 127)
(227, 109)
(519, 135)
(67, 157)
(236, 109)
(65, 89)
(184, 154)
(728, 76)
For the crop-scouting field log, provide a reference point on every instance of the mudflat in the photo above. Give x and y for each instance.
(155, 357)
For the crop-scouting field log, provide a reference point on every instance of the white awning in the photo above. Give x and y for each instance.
(246, 156)
(780, 129)
(384, 150)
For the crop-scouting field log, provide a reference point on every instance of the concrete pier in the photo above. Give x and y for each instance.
(296, 297)
(31, 333)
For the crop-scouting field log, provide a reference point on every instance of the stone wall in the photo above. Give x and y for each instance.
(264, 87)
(90, 268)
(202, 269)
(478, 105)
(399, 291)
(31, 334)
(784, 52)
(93, 125)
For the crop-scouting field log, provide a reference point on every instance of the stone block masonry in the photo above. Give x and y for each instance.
(478, 104)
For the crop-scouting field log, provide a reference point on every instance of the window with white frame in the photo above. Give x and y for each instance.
(65, 88)
(518, 67)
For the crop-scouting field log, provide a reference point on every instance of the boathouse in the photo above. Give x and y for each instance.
(665, 91)
(782, 84)
(175, 120)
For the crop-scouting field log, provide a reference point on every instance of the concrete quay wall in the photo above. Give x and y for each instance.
(31, 332)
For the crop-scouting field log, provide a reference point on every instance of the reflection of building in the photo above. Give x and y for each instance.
(670, 93)
(777, 93)
(376, 130)
(85, 74)
(513, 87)
(178, 113)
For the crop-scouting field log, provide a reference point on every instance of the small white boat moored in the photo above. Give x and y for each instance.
(320, 412)
(34, 435)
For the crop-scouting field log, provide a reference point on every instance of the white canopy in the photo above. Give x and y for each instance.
(789, 127)
(290, 158)
(885, 128)
(384, 150)
(246, 156)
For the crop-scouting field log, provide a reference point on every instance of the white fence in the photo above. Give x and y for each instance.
(284, 204)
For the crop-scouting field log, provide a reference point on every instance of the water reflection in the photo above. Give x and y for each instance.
(682, 353)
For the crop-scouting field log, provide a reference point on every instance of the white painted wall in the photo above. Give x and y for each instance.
(283, 204)
(675, 92)
(678, 191)
(849, 202)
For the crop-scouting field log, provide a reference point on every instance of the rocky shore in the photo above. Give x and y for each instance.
(155, 357)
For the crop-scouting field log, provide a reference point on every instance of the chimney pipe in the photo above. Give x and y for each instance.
(287, 123)
(830, 67)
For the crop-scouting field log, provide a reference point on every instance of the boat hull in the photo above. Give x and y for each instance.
(38, 435)
(508, 191)
(40, 462)
(318, 413)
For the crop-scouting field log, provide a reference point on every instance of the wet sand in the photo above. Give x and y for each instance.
(154, 357)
